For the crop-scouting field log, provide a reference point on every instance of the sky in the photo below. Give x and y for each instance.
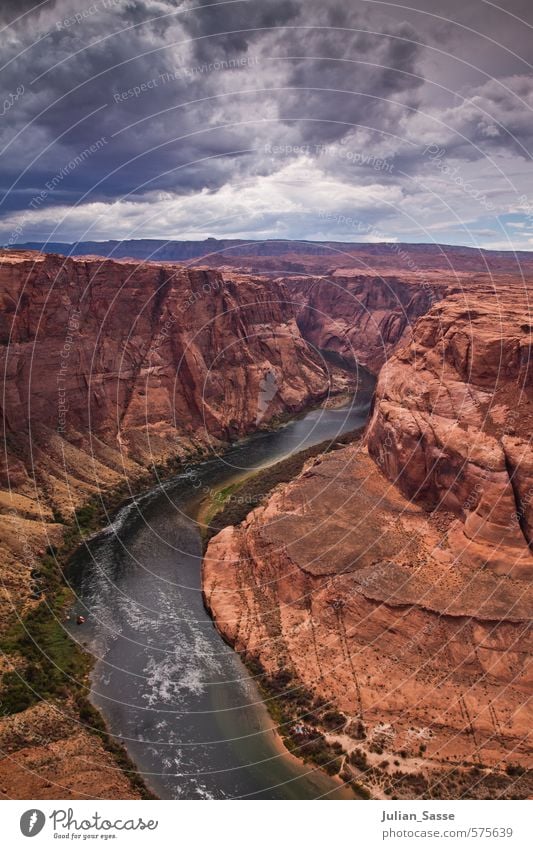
(351, 120)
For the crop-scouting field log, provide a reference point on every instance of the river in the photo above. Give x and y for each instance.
(169, 688)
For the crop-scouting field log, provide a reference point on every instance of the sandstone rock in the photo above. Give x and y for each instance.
(110, 367)
(443, 404)
(48, 754)
(362, 316)
(370, 608)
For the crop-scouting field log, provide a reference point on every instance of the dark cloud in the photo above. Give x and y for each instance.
(228, 29)
(358, 79)
(170, 85)
(214, 69)
(10, 10)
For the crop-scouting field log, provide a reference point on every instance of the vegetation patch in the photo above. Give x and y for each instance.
(297, 715)
(54, 664)
(239, 499)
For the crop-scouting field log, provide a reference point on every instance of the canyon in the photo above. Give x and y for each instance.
(391, 579)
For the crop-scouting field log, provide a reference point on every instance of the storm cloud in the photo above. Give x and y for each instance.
(248, 118)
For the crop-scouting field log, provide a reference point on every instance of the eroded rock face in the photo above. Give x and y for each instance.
(452, 425)
(111, 366)
(363, 316)
(147, 359)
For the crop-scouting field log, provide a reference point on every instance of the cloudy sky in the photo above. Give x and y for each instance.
(357, 120)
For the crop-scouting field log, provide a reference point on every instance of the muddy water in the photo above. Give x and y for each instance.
(169, 688)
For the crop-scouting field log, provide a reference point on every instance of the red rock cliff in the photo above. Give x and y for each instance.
(110, 366)
(393, 579)
(146, 355)
(364, 316)
(453, 420)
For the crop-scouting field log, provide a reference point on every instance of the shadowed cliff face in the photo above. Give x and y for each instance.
(362, 316)
(107, 368)
(150, 359)
(147, 357)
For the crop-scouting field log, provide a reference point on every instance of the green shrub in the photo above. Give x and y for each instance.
(54, 663)
(333, 720)
(358, 759)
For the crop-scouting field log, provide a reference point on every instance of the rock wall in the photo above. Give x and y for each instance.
(109, 367)
(146, 357)
(358, 594)
(363, 316)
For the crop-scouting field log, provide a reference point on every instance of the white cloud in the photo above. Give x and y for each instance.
(292, 195)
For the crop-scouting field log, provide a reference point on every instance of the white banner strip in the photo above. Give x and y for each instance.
(263, 825)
